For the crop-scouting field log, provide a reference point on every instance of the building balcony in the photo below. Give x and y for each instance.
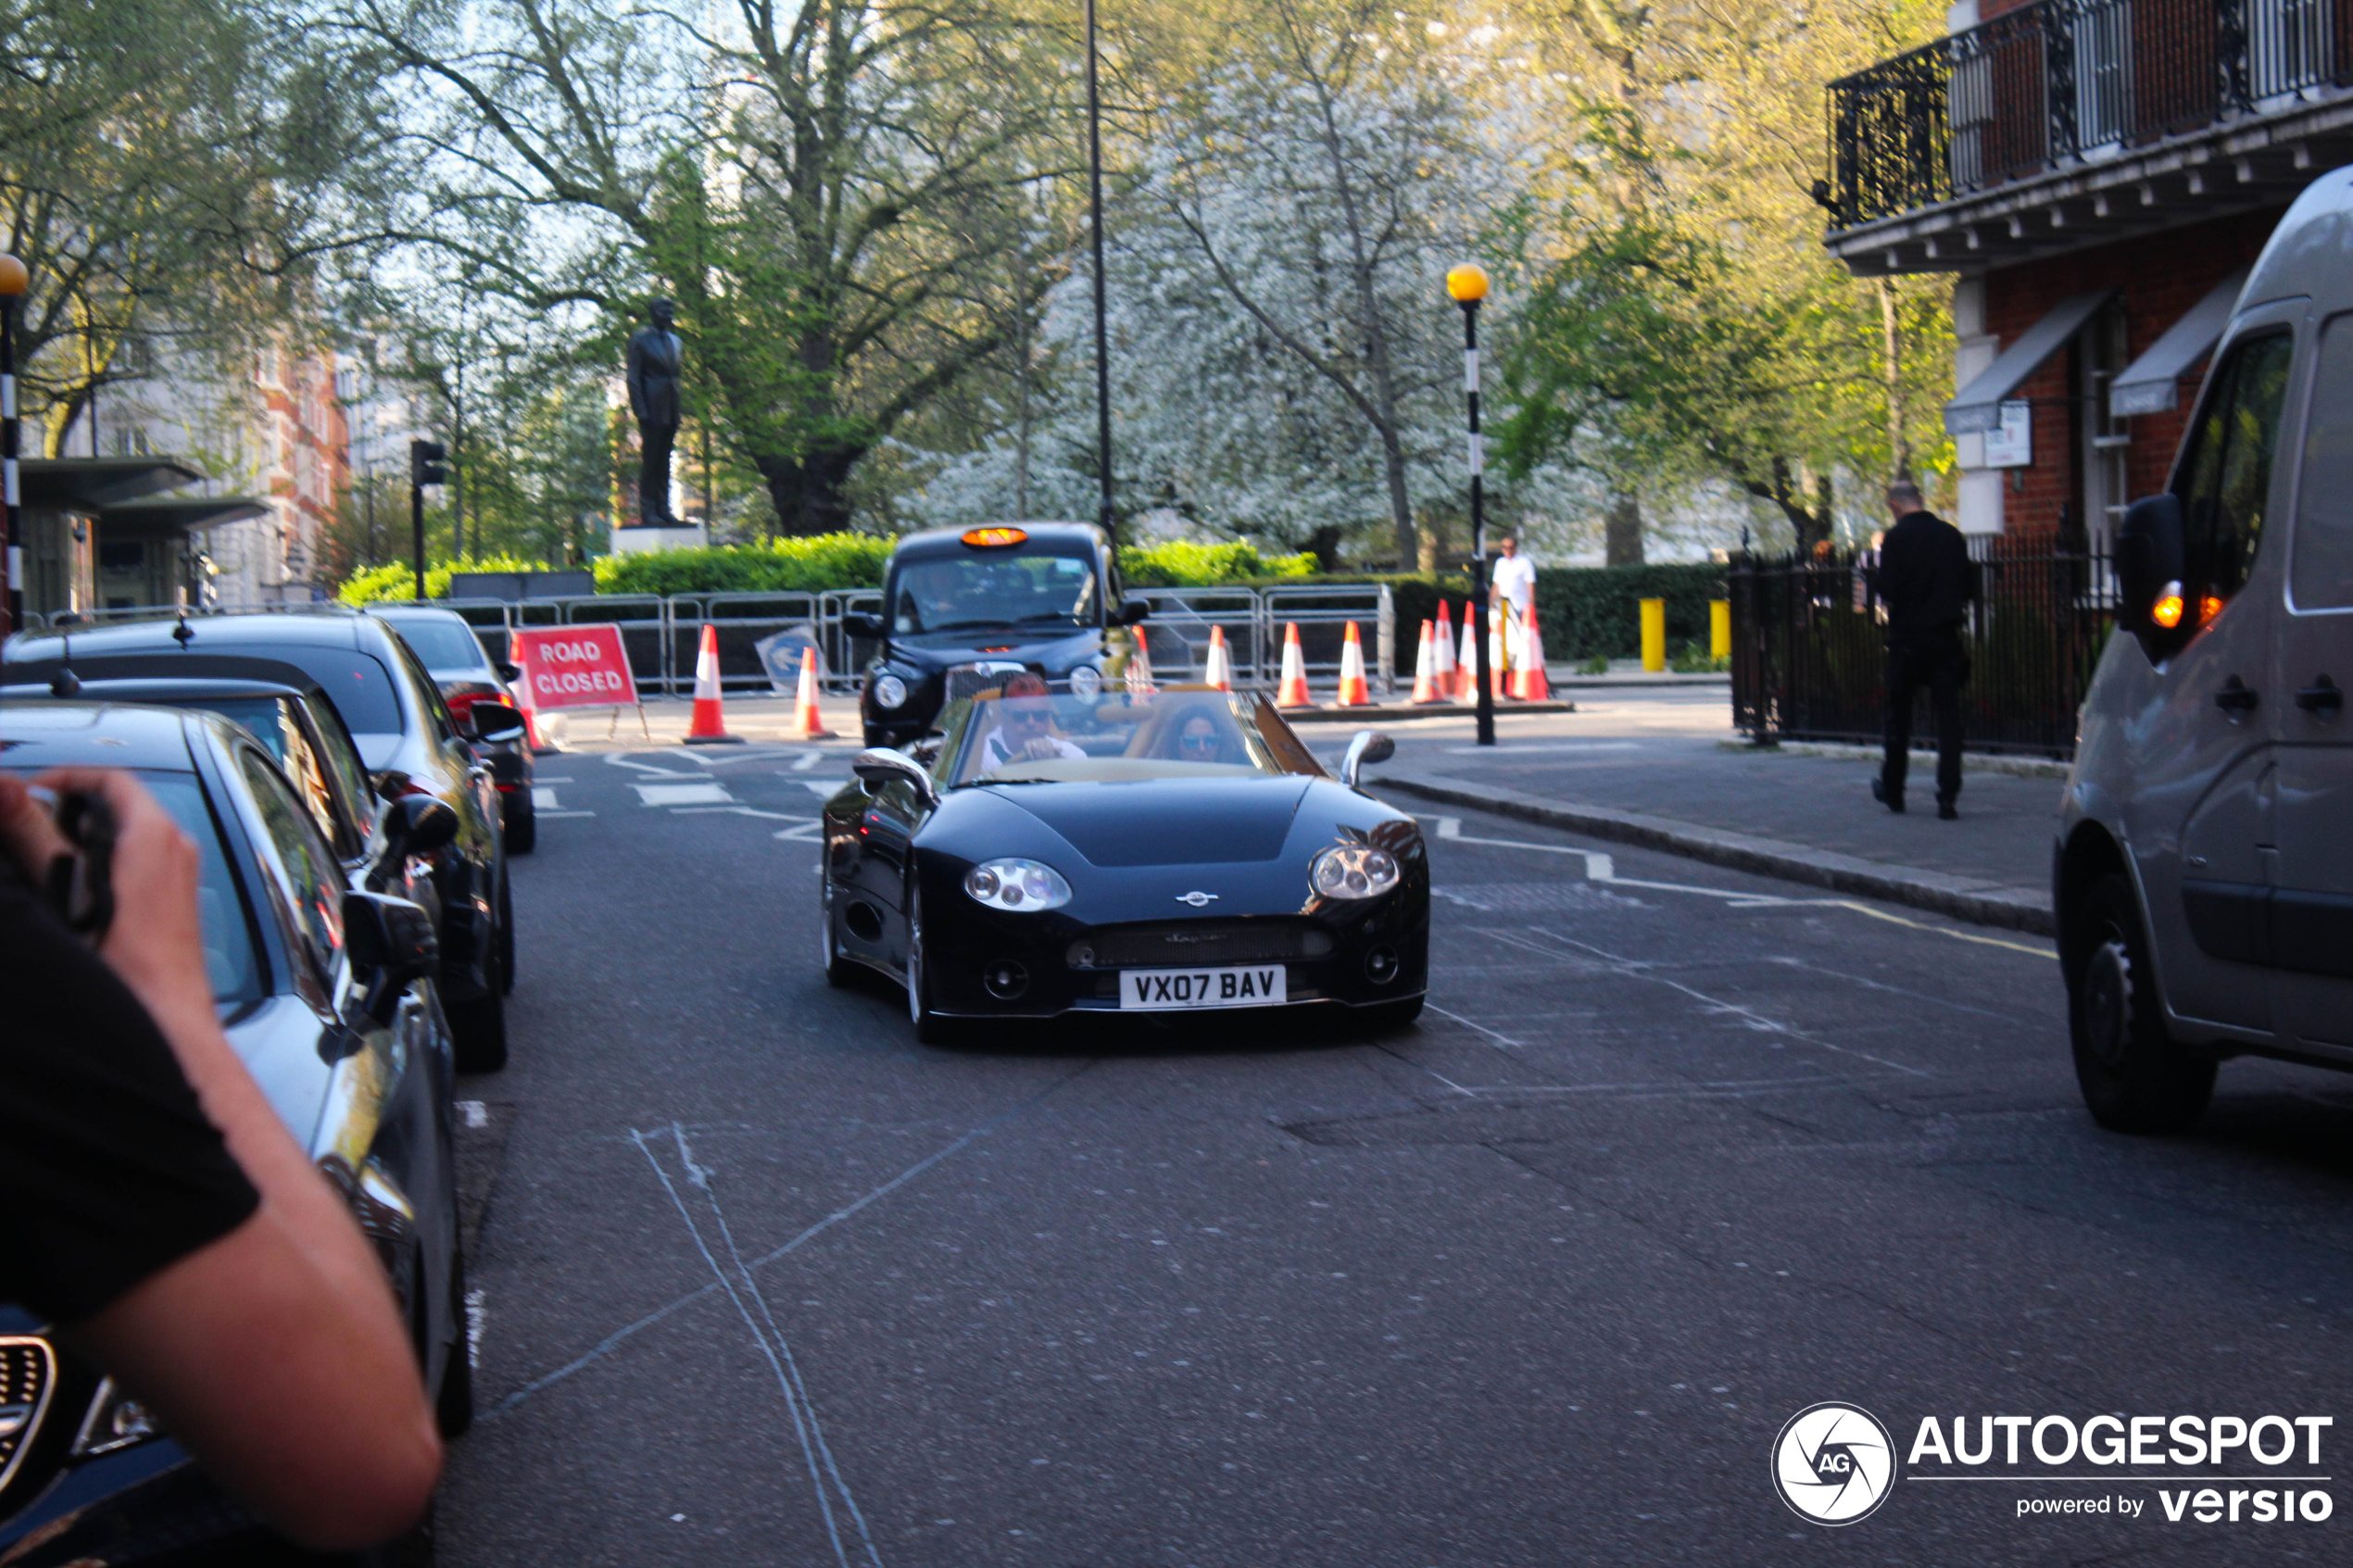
(2064, 124)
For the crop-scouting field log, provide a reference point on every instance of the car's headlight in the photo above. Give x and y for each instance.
(1086, 681)
(1017, 884)
(1353, 871)
(890, 692)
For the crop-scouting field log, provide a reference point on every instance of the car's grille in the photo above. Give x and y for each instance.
(28, 1372)
(1200, 942)
(970, 680)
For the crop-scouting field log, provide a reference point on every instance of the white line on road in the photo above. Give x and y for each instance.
(683, 794)
(808, 759)
(1534, 748)
(543, 798)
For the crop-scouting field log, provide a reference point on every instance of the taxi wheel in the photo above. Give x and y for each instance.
(2135, 1076)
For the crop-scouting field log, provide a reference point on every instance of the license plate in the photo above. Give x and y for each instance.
(1170, 990)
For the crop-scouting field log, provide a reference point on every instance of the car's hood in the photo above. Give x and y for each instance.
(1165, 821)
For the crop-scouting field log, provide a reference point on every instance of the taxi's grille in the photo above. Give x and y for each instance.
(1200, 942)
(970, 680)
(28, 1372)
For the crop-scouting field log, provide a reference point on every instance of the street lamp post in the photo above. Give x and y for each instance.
(14, 280)
(1102, 353)
(1467, 285)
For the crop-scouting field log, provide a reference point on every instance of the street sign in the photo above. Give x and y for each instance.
(573, 666)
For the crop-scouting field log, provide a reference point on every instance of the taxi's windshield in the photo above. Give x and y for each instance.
(1170, 735)
(995, 589)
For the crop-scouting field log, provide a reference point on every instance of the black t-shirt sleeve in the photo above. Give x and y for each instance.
(109, 1169)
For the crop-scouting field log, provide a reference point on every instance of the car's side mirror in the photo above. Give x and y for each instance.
(1370, 745)
(1137, 609)
(882, 765)
(392, 942)
(861, 623)
(509, 673)
(2148, 570)
(494, 723)
(413, 824)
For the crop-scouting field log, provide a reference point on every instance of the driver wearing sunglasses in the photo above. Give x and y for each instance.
(1025, 730)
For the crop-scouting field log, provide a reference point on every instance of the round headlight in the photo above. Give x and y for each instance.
(1086, 681)
(1353, 871)
(1017, 884)
(890, 692)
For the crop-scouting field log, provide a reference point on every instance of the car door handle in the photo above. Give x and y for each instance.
(2323, 696)
(2234, 697)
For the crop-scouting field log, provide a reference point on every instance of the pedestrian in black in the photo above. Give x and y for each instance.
(1927, 583)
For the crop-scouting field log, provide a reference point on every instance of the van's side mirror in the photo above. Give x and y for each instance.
(391, 944)
(2148, 570)
(1134, 611)
(861, 623)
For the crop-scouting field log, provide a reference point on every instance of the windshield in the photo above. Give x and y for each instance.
(443, 644)
(969, 592)
(1172, 735)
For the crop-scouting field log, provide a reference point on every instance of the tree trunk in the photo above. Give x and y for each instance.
(1899, 445)
(808, 492)
(1622, 528)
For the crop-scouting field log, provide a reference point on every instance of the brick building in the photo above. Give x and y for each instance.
(2097, 175)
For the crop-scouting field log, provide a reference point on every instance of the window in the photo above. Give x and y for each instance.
(306, 868)
(2225, 485)
(994, 591)
(2321, 570)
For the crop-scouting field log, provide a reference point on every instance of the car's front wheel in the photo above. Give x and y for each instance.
(829, 957)
(520, 818)
(931, 1029)
(2135, 1076)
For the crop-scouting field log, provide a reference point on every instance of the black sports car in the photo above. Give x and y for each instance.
(1179, 851)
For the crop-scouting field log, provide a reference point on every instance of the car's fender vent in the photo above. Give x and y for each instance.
(1166, 945)
(28, 1377)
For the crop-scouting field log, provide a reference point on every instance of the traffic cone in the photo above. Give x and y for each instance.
(1529, 684)
(808, 724)
(1425, 667)
(708, 726)
(1467, 668)
(1353, 690)
(1442, 644)
(1219, 676)
(1292, 693)
(1141, 685)
(1498, 652)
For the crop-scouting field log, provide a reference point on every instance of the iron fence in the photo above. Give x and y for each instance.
(1809, 647)
(2064, 81)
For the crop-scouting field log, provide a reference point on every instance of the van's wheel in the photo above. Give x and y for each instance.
(930, 1028)
(2135, 1076)
(829, 957)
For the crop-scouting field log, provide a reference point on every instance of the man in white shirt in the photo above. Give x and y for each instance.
(1512, 589)
(1025, 730)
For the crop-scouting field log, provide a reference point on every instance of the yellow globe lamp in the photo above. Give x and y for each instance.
(1467, 284)
(14, 279)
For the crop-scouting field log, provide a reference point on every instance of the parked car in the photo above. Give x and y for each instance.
(454, 655)
(1068, 854)
(2203, 878)
(328, 996)
(962, 608)
(406, 736)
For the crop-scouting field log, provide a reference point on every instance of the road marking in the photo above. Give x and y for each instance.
(683, 794)
(810, 832)
(477, 1316)
(808, 759)
(566, 814)
(1535, 748)
(737, 810)
(543, 798)
(547, 778)
(823, 788)
(472, 1113)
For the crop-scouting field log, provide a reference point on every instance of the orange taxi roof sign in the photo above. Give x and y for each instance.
(994, 538)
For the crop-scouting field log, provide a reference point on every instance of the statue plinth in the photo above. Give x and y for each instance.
(635, 538)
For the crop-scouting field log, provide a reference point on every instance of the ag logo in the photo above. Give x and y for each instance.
(1834, 1464)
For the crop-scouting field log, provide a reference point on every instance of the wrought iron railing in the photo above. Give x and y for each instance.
(1809, 647)
(2062, 82)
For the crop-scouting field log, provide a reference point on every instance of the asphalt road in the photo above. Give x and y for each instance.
(1675, 1154)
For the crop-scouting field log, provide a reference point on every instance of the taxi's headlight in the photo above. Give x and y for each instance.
(1017, 884)
(890, 692)
(1086, 683)
(1353, 871)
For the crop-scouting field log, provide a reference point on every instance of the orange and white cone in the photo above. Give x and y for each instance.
(1467, 668)
(709, 727)
(1529, 684)
(1292, 693)
(1219, 676)
(807, 723)
(1141, 685)
(1498, 651)
(1442, 644)
(1353, 693)
(1426, 668)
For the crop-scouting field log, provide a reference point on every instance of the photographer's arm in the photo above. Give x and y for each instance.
(275, 1353)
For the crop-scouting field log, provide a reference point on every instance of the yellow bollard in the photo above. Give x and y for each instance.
(1719, 628)
(1654, 634)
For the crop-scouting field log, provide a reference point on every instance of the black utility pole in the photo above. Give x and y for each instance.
(1102, 349)
(425, 458)
(14, 280)
(1468, 284)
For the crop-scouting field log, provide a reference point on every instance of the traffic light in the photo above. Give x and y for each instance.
(425, 458)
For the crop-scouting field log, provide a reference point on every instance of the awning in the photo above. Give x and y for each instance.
(87, 483)
(148, 520)
(1979, 408)
(2151, 384)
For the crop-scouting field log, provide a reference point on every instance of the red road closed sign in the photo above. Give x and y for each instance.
(573, 666)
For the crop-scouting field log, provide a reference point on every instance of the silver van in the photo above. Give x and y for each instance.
(2202, 876)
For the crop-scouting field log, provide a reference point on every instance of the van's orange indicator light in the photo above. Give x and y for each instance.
(2167, 611)
(2208, 608)
(994, 538)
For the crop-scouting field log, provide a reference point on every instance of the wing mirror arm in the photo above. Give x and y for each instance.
(1369, 745)
(883, 764)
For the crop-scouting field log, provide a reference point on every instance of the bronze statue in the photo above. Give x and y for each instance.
(655, 357)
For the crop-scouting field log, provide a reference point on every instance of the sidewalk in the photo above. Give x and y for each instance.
(1650, 767)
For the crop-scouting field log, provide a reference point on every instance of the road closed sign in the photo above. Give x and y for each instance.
(573, 666)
